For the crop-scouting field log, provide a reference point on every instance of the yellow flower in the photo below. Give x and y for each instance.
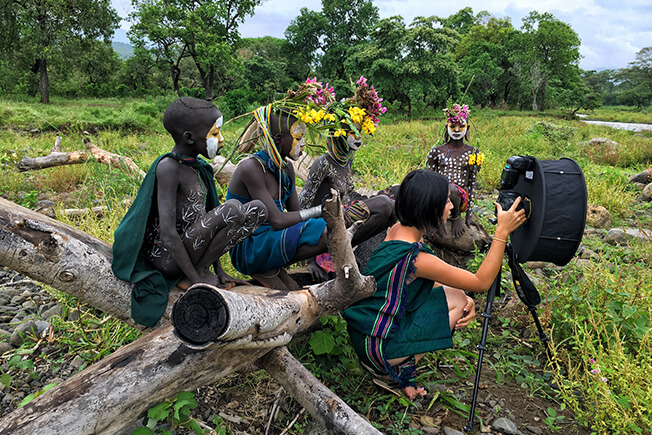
(368, 126)
(471, 159)
(339, 132)
(480, 159)
(330, 117)
(357, 114)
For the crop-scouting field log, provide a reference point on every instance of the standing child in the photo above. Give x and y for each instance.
(418, 301)
(460, 163)
(176, 227)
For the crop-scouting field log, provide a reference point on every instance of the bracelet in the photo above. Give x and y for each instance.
(309, 213)
(499, 240)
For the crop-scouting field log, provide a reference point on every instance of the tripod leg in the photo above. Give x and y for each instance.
(542, 335)
(491, 294)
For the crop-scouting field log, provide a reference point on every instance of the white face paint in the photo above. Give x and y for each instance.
(214, 139)
(352, 140)
(456, 133)
(298, 131)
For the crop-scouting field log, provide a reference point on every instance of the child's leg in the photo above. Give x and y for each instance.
(225, 226)
(456, 300)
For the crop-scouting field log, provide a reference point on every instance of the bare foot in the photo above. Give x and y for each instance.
(272, 281)
(458, 228)
(412, 393)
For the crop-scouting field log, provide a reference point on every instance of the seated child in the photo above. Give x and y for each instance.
(290, 234)
(176, 227)
(418, 302)
(332, 170)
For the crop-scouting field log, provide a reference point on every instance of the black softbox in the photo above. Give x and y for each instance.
(556, 192)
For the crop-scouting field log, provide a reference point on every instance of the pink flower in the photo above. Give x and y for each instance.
(362, 81)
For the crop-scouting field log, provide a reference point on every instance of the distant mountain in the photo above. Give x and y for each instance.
(125, 51)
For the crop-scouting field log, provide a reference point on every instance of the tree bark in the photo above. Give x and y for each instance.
(114, 392)
(332, 413)
(44, 81)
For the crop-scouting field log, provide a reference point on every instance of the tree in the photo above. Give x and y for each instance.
(412, 64)
(486, 60)
(341, 25)
(206, 30)
(265, 67)
(635, 82)
(46, 27)
(551, 51)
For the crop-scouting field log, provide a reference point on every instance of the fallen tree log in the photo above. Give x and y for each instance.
(330, 411)
(114, 392)
(93, 152)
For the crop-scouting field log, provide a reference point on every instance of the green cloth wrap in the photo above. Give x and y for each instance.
(149, 296)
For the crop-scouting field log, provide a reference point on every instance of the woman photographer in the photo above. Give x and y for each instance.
(418, 302)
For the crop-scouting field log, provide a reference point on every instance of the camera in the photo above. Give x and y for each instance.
(514, 168)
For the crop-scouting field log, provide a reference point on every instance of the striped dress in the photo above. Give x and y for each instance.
(404, 317)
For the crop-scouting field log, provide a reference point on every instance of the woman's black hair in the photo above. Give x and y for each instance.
(421, 200)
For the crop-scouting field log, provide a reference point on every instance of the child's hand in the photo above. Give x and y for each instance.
(469, 314)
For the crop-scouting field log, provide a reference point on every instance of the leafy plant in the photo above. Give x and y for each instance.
(175, 412)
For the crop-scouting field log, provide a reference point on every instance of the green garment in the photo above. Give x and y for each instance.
(420, 320)
(149, 296)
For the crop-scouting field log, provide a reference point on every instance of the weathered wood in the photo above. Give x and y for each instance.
(124, 163)
(93, 152)
(51, 160)
(327, 408)
(225, 168)
(114, 392)
(62, 257)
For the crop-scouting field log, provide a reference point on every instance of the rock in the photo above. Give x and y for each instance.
(646, 195)
(644, 177)
(504, 426)
(18, 336)
(5, 347)
(449, 431)
(45, 207)
(617, 236)
(53, 311)
(598, 216)
(534, 430)
(41, 326)
(77, 362)
(429, 430)
(474, 236)
(73, 316)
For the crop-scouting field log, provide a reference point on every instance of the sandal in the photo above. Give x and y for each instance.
(389, 386)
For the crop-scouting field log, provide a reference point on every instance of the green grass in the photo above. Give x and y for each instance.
(600, 312)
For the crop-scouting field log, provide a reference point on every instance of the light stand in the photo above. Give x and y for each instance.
(529, 295)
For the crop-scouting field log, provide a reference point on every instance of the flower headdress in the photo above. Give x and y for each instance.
(338, 117)
(315, 105)
(457, 114)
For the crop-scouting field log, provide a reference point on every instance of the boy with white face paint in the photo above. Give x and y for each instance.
(459, 163)
(176, 228)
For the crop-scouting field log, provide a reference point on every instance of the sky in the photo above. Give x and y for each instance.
(611, 32)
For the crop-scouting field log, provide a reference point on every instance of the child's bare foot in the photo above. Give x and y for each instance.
(412, 393)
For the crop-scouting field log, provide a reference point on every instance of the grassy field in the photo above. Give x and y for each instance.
(599, 312)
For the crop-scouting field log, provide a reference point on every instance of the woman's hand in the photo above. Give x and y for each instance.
(509, 220)
(469, 314)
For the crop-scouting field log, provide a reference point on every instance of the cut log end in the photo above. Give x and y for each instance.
(199, 317)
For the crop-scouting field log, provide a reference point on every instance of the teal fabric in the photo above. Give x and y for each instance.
(267, 248)
(149, 296)
(422, 324)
